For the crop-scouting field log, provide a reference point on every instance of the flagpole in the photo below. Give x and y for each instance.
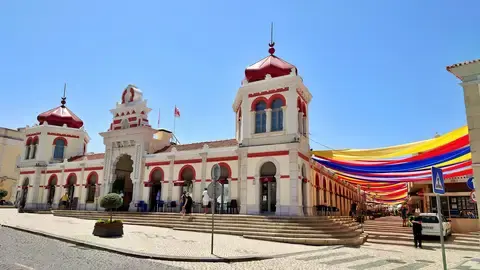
(174, 118)
(158, 123)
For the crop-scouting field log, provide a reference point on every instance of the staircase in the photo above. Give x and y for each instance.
(316, 231)
(389, 231)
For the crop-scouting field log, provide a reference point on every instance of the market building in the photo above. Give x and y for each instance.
(11, 147)
(266, 166)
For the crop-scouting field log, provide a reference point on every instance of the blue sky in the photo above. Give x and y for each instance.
(376, 69)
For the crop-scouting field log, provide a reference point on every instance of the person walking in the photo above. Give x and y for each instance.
(205, 201)
(187, 206)
(64, 200)
(417, 231)
(404, 216)
(183, 200)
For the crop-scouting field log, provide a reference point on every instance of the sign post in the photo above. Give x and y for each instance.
(212, 192)
(438, 185)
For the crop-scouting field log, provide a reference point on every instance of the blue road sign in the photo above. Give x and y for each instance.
(471, 184)
(438, 183)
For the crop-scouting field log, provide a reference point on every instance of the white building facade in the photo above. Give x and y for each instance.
(266, 168)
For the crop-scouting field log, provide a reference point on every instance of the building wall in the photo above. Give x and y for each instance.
(11, 145)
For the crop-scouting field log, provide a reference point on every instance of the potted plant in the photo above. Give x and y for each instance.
(109, 227)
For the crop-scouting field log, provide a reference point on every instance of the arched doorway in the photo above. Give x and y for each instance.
(155, 182)
(52, 183)
(24, 193)
(224, 197)
(268, 188)
(304, 190)
(70, 189)
(123, 182)
(187, 175)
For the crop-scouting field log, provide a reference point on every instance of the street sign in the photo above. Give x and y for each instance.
(473, 197)
(218, 190)
(471, 183)
(438, 184)
(216, 172)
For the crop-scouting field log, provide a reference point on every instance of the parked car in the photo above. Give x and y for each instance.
(431, 225)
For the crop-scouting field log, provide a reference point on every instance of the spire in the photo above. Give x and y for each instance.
(64, 98)
(272, 43)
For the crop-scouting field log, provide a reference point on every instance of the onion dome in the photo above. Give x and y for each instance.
(271, 64)
(60, 116)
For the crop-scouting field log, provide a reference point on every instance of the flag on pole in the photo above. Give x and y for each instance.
(176, 112)
(158, 122)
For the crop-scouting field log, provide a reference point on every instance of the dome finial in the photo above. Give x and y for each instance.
(271, 50)
(64, 98)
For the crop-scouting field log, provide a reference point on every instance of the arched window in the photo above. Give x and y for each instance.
(260, 117)
(91, 187)
(34, 147)
(27, 148)
(277, 115)
(59, 150)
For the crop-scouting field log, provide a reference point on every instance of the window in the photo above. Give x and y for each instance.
(59, 150)
(91, 187)
(34, 147)
(27, 151)
(260, 117)
(277, 115)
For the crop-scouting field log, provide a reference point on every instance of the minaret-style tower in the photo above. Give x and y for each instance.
(271, 106)
(271, 113)
(59, 135)
(126, 141)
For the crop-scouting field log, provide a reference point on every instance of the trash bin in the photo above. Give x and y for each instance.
(145, 207)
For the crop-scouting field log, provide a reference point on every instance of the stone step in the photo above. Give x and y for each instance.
(356, 241)
(340, 232)
(267, 234)
(324, 224)
(179, 222)
(221, 216)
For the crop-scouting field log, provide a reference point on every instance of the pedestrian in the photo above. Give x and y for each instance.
(183, 200)
(404, 216)
(205, 201)
(188, 205)
(417, 231)
(64, 200)
(157, 200)
(353, 209)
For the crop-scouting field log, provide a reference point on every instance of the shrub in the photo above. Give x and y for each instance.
(111, 202)
(3, 193)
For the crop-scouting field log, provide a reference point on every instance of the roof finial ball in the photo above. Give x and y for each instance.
(64, 98)
(271, 50)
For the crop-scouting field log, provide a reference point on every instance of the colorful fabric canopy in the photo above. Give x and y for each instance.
(384, 172)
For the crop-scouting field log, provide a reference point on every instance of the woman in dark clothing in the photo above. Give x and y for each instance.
(188, 204)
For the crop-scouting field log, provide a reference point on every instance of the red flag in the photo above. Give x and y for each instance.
(176, 112)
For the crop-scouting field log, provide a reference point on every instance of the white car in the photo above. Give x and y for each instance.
(431, 226)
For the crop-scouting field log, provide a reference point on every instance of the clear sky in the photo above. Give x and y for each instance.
(376, 69)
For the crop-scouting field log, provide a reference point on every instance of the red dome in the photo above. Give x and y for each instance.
(271, 64)
(59, 116)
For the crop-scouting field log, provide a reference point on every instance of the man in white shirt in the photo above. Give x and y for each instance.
(205, 201)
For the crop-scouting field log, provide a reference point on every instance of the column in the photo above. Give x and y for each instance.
(278, 194)
(252, 122)
(300, 123)
(83, 189)
(469, 73)
(269, 119)
(137, 172)
(170, 178)
(242, 178)
(203, 184)
(294, 208)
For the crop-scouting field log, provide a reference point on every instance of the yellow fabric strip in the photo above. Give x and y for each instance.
(393, 151)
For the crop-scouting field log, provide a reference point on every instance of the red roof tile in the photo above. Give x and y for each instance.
(199, 145)
(272, 65)
(59, 116)
(462, 64)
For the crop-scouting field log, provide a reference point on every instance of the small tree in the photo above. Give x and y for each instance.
(3, 193)
(111, 202)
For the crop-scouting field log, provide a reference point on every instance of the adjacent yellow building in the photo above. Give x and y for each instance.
(11, 147)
